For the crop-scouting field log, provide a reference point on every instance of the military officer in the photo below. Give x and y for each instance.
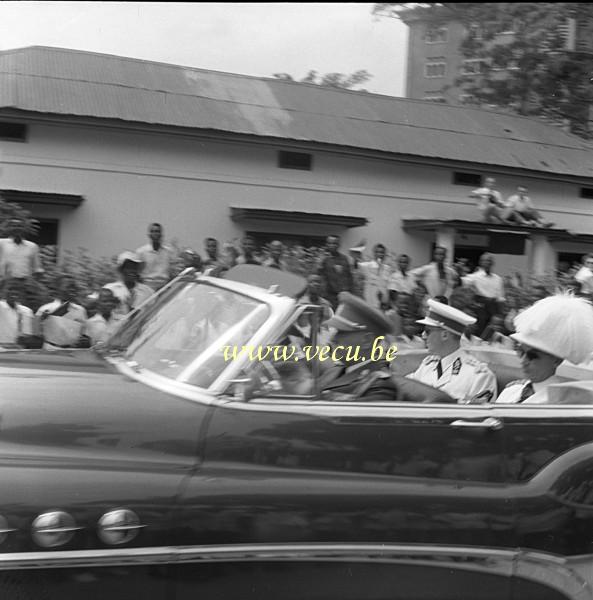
(448, 367)
(359, 338)
(551, 330)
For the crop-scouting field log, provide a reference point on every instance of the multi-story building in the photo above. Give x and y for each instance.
(435, 60)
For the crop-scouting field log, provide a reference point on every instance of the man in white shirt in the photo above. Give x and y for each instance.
(128, 289)
(156, 257)
(106, 321)
(19, 259)
(438, 278)
(448, 367)
(62, 320)
(490, 202)
(401, 281)
(377, 274)
(489, 290)
(520, 209)
(554, 329)
(16, 320)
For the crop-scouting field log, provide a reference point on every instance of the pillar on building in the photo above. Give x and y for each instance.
(446, 238)
(542, 257)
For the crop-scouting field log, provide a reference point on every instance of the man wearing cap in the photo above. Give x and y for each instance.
(448, 367)
(554, 329)
(128, 289)
(358, 329)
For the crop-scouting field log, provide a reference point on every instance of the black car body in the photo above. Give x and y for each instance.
(144, 470)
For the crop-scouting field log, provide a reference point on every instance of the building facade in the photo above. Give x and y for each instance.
(97, 147)
(435, 61)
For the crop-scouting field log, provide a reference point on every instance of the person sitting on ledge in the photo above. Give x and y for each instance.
(490, 202)
(520, 210)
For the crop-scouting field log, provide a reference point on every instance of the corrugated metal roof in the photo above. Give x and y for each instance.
(72, 82)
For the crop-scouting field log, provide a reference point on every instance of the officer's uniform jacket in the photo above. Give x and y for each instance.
(512, 392)
(463, 377)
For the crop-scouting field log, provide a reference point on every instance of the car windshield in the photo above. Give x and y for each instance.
(181, 333)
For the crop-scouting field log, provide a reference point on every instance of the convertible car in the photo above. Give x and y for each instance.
(165, 465)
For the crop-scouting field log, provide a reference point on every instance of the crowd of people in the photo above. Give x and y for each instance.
(386, 282)
(71, 319)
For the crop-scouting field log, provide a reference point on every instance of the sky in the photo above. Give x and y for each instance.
(248, 38)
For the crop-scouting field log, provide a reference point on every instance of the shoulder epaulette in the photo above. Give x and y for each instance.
(430, 359)
(516, 382)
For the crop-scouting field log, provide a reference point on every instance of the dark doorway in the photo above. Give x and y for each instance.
(469, 253)
(567, 259)
(47, 234)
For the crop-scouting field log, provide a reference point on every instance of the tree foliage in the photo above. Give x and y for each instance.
(527, 65)
(335, 80)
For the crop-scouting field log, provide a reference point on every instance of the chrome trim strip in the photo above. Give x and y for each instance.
(123, 527)
(570, 575)
(58, 529)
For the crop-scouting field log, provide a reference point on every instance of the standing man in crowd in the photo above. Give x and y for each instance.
(489, 291)
(156, 257)
(128, 289)
(377, 276)
(438, 278)
(62, 320)
(335, 271)
(490, 202)
(16, 320)
(275, 259)
(553, 329)
(401, 281)
(521, 210)
(448, 367)
(248, 246)
(212, 260)
(19, 259)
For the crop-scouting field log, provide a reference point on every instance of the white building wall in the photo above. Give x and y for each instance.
(188, 183)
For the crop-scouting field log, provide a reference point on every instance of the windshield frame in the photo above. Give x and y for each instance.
(280, 308)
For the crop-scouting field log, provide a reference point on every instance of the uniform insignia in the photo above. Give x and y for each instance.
(456, 366)
(484, 397)
(431, 358)
(516, 382)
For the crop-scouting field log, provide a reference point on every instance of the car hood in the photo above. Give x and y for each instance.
(75, 404)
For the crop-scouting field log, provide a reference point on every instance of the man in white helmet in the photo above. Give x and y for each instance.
(448, 367)
(551, 330)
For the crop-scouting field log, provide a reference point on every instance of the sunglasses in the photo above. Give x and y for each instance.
(528, 354)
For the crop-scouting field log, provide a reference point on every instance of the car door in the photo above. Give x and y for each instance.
(549, 455)
(281, 471)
